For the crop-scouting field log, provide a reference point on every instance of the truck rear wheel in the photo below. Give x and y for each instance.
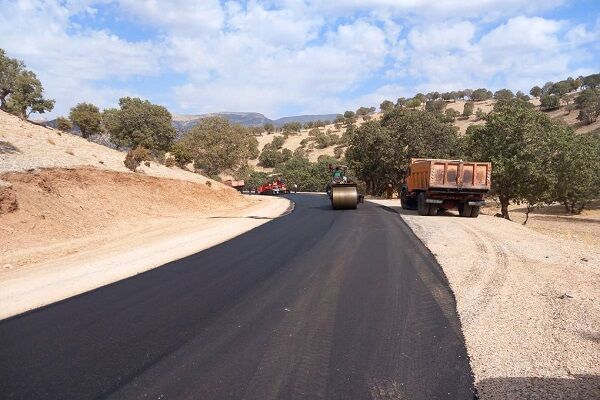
(433, 209)
(464, 210)
(422, 206)
(475, 211)
(406, 202)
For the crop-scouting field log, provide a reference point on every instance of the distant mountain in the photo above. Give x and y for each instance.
(185, 122)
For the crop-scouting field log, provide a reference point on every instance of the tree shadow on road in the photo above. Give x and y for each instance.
(579, 387)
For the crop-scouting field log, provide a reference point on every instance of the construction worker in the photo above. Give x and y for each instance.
(390, 191)
(295, 188)
(338, 174)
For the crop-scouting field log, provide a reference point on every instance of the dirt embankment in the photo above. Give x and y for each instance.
(56, 206)
(529, 304)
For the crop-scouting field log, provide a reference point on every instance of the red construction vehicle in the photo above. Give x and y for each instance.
(445, 184)
(275, 184)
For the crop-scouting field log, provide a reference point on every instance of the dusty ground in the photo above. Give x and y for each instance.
(529, 304)
(555, 222)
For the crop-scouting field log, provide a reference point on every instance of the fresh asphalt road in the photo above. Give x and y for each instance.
(319, 304)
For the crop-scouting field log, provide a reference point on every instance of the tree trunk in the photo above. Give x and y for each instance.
(529, 208)
(504, 200)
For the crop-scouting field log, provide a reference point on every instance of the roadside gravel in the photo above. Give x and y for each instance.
(529, 304)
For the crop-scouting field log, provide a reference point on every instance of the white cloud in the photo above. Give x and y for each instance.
(274, 56)
(69, 61)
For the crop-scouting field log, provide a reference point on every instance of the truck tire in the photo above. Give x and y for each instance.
(422, 206)
(433, 209)
(475, 211)
(406, 202)
(464, 210)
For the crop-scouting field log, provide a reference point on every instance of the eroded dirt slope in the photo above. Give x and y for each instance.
(56, 206)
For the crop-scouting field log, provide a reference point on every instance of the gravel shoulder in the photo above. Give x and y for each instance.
(529, 304)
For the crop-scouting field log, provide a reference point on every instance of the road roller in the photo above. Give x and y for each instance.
(342, 193)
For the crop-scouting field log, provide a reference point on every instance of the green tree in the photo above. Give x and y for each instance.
(363, 111)
(64, 124)
(468, 109)
(28, 96)
(536, 91)
(421, 97)
(278, 142)
(413, 103)
(380, 151)
(588, 103)
(591, 81)
(451, 114)
(386, 105)
(292, 128)
(435, 105)
(561, 88)
(269, 127)
(140, 123)
(503, 95)
(522, 96)
(578, 163)
(481, 94)
(522, 145)
(88, 118)
(401, 102)
(10, 69)
(549, 102)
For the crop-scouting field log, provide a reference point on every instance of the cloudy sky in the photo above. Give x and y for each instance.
(292, 57)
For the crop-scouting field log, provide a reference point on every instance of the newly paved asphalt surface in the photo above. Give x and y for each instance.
(319, 304)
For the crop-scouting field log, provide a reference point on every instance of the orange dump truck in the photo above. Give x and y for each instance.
(446, 184)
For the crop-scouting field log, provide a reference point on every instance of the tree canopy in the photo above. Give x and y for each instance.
(216, 145)
(140, 123)
(88, 118)
(21, 92)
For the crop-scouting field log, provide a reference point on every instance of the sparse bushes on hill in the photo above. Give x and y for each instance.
(88, 118)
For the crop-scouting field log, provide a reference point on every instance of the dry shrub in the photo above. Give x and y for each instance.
(135, 157)
(147, 164)
(208, 183)
(170, 162)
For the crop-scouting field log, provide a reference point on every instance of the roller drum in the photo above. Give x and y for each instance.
(344, 197)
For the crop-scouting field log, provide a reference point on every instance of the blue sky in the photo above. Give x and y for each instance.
(294, 56)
